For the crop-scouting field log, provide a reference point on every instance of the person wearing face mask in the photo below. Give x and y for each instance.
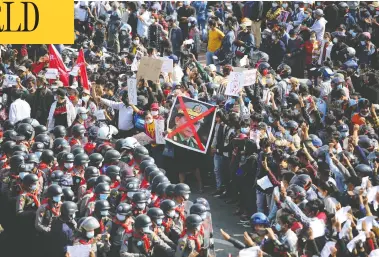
(86, 236)
(139, 202)
(101, 214)
(295, 54)
(312, 52)
(366, 49)
(102, 192)
(80, 163)
(273, 13)
(156, 215)
(18, 172)
(46, 163)
(169, 227)
(326, 48)
(191, 238)
(277, 51)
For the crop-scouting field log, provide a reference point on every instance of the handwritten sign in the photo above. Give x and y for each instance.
(149, 69)
(250, 76)
(10, 80)
(51, 73)
(132, 90)
(236, 80)
(168, 64)
(159, 132)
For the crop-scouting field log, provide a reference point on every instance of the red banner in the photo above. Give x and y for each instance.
(56, 62)
(81, 62)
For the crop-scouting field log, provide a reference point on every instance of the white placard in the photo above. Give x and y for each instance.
(79, 250)
(264, 182)
(235, 83)
(132, 91)
(10, 80)
(341, 214)
(99, 114)
(159, 132)
(318, 227)
(370, 220)
(51, 73)
(168, 64)
(250, 76)
(326, 250)
(360, 237)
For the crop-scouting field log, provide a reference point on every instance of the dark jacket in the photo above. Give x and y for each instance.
(132, 21)
(40, 103)
(253, 10)
(332, 16)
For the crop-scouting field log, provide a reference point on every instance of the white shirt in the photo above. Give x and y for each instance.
(71, 114)
(177, 74)
(19, 110)
(80, 13)
(326, 88)
(319, 28)
(143, 26)
(125, 114)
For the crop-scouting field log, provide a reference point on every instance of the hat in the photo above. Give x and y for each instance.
(193, 109)
(212, 67)
(154, 106)
(375, 4)
(22, 68)
(174, 58)
(61, 92)
(246, 22)
(319, 12)
(343, 128)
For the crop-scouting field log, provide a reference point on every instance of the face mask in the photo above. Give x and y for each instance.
(23, 174)
(57, 199)
(278, 227)
(353, 34)
(141, 206)
(154, 113)
(159, 222)
(120, 217)
(273, 37)
(149, 121)
(363, 43)
(38, 154)
(244, 130)
(226, 15)
(335, 40)
(320, 195)
(130, 195)
(171, 214)
(203, 216)
(85, 98)
(72, 98)
(107, 66)
(33, 187)
(339, 86)
(68, 165)
(285, 5)
(372, 8)
(146, 230)
(90, 234)
(377, 12)
(186, 197)
(104, 213)
(274, 4)
(136, 42)
(84, 116)
(103, 196)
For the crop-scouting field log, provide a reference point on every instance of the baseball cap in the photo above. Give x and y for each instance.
(21, 68)
(319, 12)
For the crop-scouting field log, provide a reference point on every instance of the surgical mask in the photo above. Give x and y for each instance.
(103, 196)
(363, 43)
(38, 154)
(159, 222)
(351, 31)
(136, 42)
(186, 197)
(104, 213)
(284, 5)
(85, 98)
(203, 216)
(339, 86)
(141, 206)
(278, 227)
(320, 195)
(154, 113)
(377, 12)
(372, 8)
(130, 194)
(84, 116)
(121, 217)
(68, 165)
(33, 187)
(146, 230)
(209, 14)
(171, 214)
(318, 3)
(90, 234)
(107, 66)
(353, 34)
(23, 174)
(149, 121)
(244, 130)
(57, 199)
(226, 15)
(335, 40)
(274, 4)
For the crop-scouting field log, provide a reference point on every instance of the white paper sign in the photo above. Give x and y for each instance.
(75, 71)
(132, 90)
(79, 250)
(326, 250)
(264, 182)
(235, 83)
(168, 64)
(99, 114)
(51, 73)
(159, 132)
(318, 227)
(345, 229)
(10, 80)
(361, 236)
(341, 214)
(250, 76)
(364, 182)
(370, 220)
(371, 193)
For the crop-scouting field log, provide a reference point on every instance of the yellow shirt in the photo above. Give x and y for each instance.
(215, 39)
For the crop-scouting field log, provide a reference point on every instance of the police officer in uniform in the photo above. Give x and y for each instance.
(80, 164)
(77, 136)
(139, 203)
(156, 215)
(169, 227)
(191, 240)
(101, 214)
(102, 191)
(144, 242)
(181, 192)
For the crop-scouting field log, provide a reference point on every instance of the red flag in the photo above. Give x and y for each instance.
(81, 62)
(56, 62)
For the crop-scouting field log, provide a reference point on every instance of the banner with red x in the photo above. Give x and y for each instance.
(192, 121)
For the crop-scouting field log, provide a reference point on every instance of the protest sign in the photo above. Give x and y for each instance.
(79, 250)
(143, 139)
(51, 73)
(283, 16)
(132, 90)
(10, 80)
(235, 83)
(168, 64)
(159, 132)
(190, 124)
(149, 69)
(250, 76)
(99, 114)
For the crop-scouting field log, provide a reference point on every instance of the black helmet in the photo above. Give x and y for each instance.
(32, 158)
(363, 170)
(7, 147)
(26, 130)
(140, 197)
(78, 130)
(144, 164)
(59, 131)
(68, 158)
(54, 190)
(33, 122)
(40, 129)
(47, 156)
(38, 147)
(284, 70)
(167, 205)
(158, 180)
(91, 172)
(68, 209)
(20, 153)
(199, 209)
(20, 148)
(296, 192)
(160, 190)
(193, 221)
(262, 67)
(152, 172)
(95, 159)
(7, 125)
(68, 194)
(102, 188)
(60, 157)
(9, 134)
(142, 221)
(77, 150)
(91, 182)
(105, 149)
(81, 159)
(113, 171)
(30, 179)
(124, 209)
(170, 190)
(364, 142)
(61, 145)
(182, 189)
(140, 151)
(100, 206)
(204, 202)
(103, 179)
(293, 98)
(112, 156)
(43, 138)
(293, 125)
(16, 161)
(56, 176)
(155, 214)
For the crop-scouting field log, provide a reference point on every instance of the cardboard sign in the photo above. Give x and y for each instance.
(168, 64)
(159, 132)
(132, 91)
(10, 80)
(235, 83)
(250, 76)
(51, 73)
(149, 69)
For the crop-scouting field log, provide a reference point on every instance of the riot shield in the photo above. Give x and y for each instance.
(208, 235)
(187, 207)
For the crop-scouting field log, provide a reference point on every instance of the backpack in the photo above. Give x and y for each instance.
(139, 122)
